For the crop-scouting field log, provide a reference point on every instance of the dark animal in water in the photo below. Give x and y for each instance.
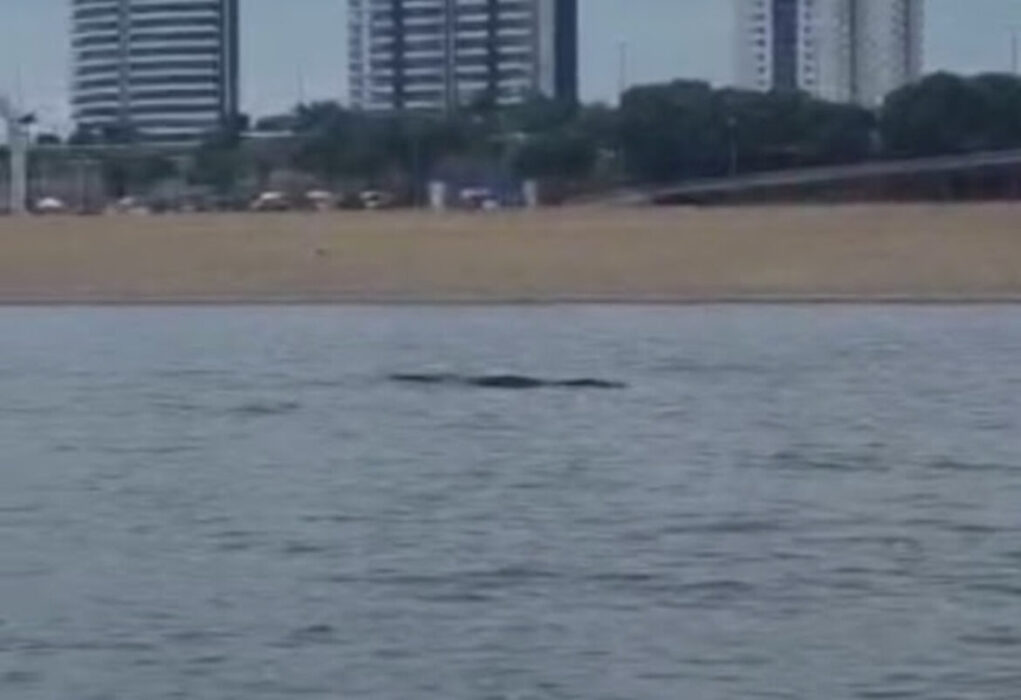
(504, 381)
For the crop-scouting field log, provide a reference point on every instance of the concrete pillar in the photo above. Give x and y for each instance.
(530, 194)
(17, 143)
(19, 173)
(438, 195)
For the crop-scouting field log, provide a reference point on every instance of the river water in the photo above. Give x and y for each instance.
(761, 502)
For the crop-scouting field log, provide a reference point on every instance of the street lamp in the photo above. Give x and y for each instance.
(17, 146)
(732, 139)
(1015, 52)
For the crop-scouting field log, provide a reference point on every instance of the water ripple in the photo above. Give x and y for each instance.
(956, 465)
(797, 460)
(782, 503)
(263, 409)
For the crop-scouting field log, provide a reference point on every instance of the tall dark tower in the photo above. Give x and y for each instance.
(567, 50)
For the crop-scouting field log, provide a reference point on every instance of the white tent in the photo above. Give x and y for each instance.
(50, 205)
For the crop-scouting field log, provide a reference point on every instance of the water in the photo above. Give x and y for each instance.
(796, 503)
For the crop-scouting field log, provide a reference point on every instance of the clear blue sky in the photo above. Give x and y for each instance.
(295, 48)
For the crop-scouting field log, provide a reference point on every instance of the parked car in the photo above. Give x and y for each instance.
(49, 205)
(320, 200)
(376, 199)
(271, 201)
(478, 198)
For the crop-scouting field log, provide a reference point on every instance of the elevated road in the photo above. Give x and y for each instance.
(707, 189)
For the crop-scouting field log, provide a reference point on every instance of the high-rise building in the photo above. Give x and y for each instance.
(841, 50)
(164, 69)
(888, 50)
(437, 55)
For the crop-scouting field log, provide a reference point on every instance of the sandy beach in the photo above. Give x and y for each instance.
(921, 253)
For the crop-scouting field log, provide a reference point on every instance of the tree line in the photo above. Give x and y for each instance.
(658, 133)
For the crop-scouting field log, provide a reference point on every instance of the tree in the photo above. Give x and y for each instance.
(84, 136)
(945, 114)
(318, 116)
(671, 131)
(219, 162)
(688, 130)
(335, 143)
(599, 122)
(777, 130)
(277, 123)
(567, 154)
(118, 134)
(127, 173)
(48, 139)
(541, 114)
(838, 133)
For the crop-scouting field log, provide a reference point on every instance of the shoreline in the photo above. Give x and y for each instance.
(918, 254)
(439, 303)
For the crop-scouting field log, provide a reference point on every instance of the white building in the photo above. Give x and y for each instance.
(166, 70)
(888, 51)
(840, 50)
(438, 54)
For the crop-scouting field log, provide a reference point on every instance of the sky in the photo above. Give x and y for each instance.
(293, 50)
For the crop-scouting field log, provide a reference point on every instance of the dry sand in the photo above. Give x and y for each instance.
(848, 253)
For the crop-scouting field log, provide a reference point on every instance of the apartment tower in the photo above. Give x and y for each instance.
(438, 55)
(841, 50)
(165, 70)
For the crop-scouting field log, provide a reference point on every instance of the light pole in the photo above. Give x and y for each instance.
(623, 58)
(732, 139)
(416, 135)
(1015, 52)
(17, 146)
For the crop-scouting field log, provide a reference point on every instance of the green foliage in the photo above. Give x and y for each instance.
(669, 131)
(126, 173)
(563, 154)
(601, 123)
(277, 123)
(946, 113)
(782, 129)
(661, 132)
(686, 129)
(219, 162)
(336, 144)
(541, 114)
(666, 132)
(112, 134)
